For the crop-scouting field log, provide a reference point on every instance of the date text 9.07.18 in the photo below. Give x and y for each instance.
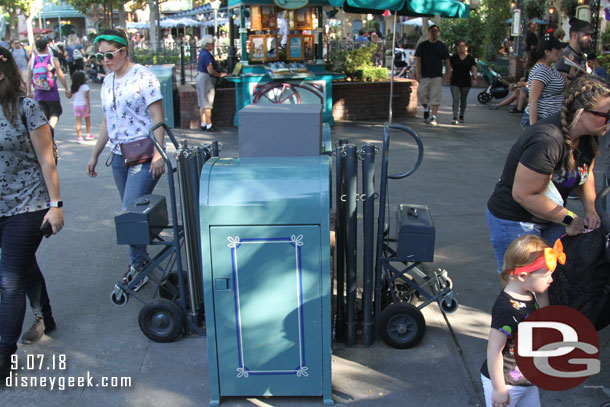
(34, 361)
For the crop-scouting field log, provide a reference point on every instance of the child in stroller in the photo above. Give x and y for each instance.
(403, 60)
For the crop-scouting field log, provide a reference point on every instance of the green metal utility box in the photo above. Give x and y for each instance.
(165, 74)
(266, 274)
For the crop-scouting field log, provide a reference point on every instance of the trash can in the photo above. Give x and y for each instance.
(266, 268)
(165, 74)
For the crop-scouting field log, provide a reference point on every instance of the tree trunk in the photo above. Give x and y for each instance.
(153, 17)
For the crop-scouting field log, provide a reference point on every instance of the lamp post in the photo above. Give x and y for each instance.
(215, 6)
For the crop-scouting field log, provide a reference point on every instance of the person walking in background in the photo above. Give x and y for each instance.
(132, 104)
(82, 106)
(29, 199)
(527, 276)
(208, 73)
(545, 84)
(21, 57)
(429, 58)
(43, 72)
(75, 51)
(462, 66)
(580, 42)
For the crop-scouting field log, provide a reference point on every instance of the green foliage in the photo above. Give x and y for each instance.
(67, 29)
(569, 7)
(534, 8)
(372, 74)
(605, 37)
(498, 11)
(357, 64)
(150, 57)
(470, 30)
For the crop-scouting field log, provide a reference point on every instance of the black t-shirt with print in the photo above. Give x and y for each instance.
(542, 149)
(506, 314)
(460, 75)
(577, 57)
(432, 55)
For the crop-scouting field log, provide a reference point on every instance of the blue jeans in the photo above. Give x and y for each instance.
(20, 237)
(132, 183)
(503, 232)
(525, 120)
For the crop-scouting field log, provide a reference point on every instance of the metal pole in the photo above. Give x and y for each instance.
(243, 31)
(379, 253)
(368, 152)
(351, 253)
(232, 59)
(340, 240)
(392, 70)
(215, 31)
(182, 77)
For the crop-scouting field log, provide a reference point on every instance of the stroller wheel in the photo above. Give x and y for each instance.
(161, 320)
(484, 97)
(401, 326)
(448, 304)
(118, 296)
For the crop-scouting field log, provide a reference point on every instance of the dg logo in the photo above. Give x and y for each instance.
(557, 348)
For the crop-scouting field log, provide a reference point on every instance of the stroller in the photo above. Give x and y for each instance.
(95, 70)
(401, 62)
(498, 88)
(583, 282)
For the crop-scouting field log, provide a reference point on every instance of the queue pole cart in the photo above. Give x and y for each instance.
(403, 275)
(166, 317)
(266, 274)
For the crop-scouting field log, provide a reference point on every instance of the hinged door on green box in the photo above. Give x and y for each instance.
(265, 243)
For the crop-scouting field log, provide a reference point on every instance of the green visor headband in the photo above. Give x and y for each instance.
(108, 37)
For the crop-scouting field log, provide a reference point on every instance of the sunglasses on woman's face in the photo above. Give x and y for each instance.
(108, 55)
(600, 114)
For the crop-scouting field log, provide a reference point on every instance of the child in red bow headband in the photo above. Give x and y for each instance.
(528, 265)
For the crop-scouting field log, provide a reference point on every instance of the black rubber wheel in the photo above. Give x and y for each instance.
(401, 326)
(483, 97)
(448, 306)
(119, 297)
(161, 320)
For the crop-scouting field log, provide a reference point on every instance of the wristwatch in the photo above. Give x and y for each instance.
(56, 204)
(568, 219)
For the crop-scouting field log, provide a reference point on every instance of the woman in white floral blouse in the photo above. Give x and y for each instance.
(29, 198)
(132, 103)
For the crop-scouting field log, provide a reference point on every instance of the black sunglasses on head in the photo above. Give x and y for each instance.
(108, 55)
(600, 114)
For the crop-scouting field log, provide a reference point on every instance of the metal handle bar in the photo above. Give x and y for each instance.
(156, 143)
(599, 205)
(420, 149)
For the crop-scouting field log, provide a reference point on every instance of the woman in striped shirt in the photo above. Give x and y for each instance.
(545, 83)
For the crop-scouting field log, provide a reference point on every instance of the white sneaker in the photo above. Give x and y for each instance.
(433, 120)
(455, 121)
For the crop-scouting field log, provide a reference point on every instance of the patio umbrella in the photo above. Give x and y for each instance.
(36, 31)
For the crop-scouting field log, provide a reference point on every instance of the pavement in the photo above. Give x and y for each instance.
(97, 339)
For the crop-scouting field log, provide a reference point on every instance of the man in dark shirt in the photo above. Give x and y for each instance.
(429, 58)
(580, 42)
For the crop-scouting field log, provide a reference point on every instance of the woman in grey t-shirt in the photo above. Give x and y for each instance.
(29, 199)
